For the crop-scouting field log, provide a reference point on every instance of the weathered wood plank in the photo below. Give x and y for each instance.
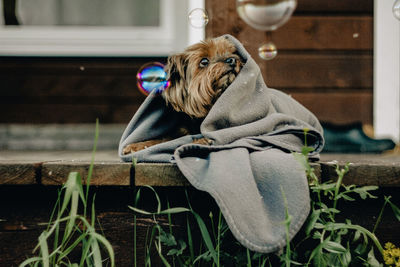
(159, 175)
(334, 106)
(372, 169)
(218, 9)
(311, 70)
(18, 173)
(104, 173)
(383, 170)
(50, 139)
(18, 112)
(361, 174)
(59, 155)
(298, 70)
(74, 66)
(302, 31)
(345, 33)
(337, 6)
(310, 33)
(384, 173)
(95, 86)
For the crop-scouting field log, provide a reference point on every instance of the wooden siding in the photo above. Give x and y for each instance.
(69, 90)
(325, 54)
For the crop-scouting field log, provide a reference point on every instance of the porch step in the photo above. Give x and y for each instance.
(52, 168)
(29, 184)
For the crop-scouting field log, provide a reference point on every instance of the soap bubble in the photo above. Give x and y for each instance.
(267, 51)
(265, 15)
(396, 9)
(198, 18)
(152, 77)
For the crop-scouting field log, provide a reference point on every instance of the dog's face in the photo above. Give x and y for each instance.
(200, 74)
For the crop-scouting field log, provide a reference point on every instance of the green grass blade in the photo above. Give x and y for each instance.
(30, 261)
(169, 218)
(85, 252)
(395, 209)
(107, 245)
(69, 249)
(219, 236)
(166, 211)
(190, 239)
(44, 249)
(137, 197)
(96, 255)
(164, 260)
(206, 236)
(378, 220)
(134, 242)
(174, 210)
(74, 183)
(157, 198)
(93, 215)
(90, 172)
(248, 258)
(72, 217)
(140, 211)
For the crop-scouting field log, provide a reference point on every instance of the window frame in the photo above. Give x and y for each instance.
(171, 36)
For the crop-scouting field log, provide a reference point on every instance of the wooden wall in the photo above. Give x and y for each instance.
(325, 61)
(69, 90)
(325, 56)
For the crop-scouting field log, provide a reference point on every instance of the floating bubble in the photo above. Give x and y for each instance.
(396, 9)
(265, 15)
(198, 18)
(267, 51)
(152, 77)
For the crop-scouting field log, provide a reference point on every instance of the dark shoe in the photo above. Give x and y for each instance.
(352, 139)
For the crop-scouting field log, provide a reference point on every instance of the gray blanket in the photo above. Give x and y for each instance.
(249, 169)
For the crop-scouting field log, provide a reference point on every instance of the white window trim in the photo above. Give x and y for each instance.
(386, 71)
(173, 35)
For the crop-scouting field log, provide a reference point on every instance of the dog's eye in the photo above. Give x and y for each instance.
(230, 61)
(204, 62)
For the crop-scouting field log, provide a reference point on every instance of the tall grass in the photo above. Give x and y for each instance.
(71, 239)
(324, 240)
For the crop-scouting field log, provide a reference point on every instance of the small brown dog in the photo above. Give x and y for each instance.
(198, 76)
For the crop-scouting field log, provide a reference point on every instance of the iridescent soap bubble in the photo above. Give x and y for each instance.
(265, 15)
(152, 77)
(396, 9)
(267, 51)
(198, 18)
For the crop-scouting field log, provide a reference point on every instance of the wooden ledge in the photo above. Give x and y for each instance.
(52, 168)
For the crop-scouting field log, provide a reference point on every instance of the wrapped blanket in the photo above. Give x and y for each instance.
(248, 169)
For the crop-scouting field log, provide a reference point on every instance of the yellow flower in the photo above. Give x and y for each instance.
(391, 255)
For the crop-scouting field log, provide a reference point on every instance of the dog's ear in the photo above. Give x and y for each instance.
(176, 73)
(176, 68)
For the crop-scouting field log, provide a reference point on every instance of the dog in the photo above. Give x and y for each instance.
(198, 76)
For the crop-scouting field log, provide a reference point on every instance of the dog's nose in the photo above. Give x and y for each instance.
(231, 61)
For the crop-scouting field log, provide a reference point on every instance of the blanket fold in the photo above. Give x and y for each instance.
(248, 169)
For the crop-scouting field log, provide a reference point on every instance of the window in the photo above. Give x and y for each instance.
(96, 27)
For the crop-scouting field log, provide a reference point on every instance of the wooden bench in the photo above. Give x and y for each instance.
(29, 181)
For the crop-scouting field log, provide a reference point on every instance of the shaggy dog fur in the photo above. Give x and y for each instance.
(198, 76)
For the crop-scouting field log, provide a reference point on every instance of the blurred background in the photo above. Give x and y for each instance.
(65, 63)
